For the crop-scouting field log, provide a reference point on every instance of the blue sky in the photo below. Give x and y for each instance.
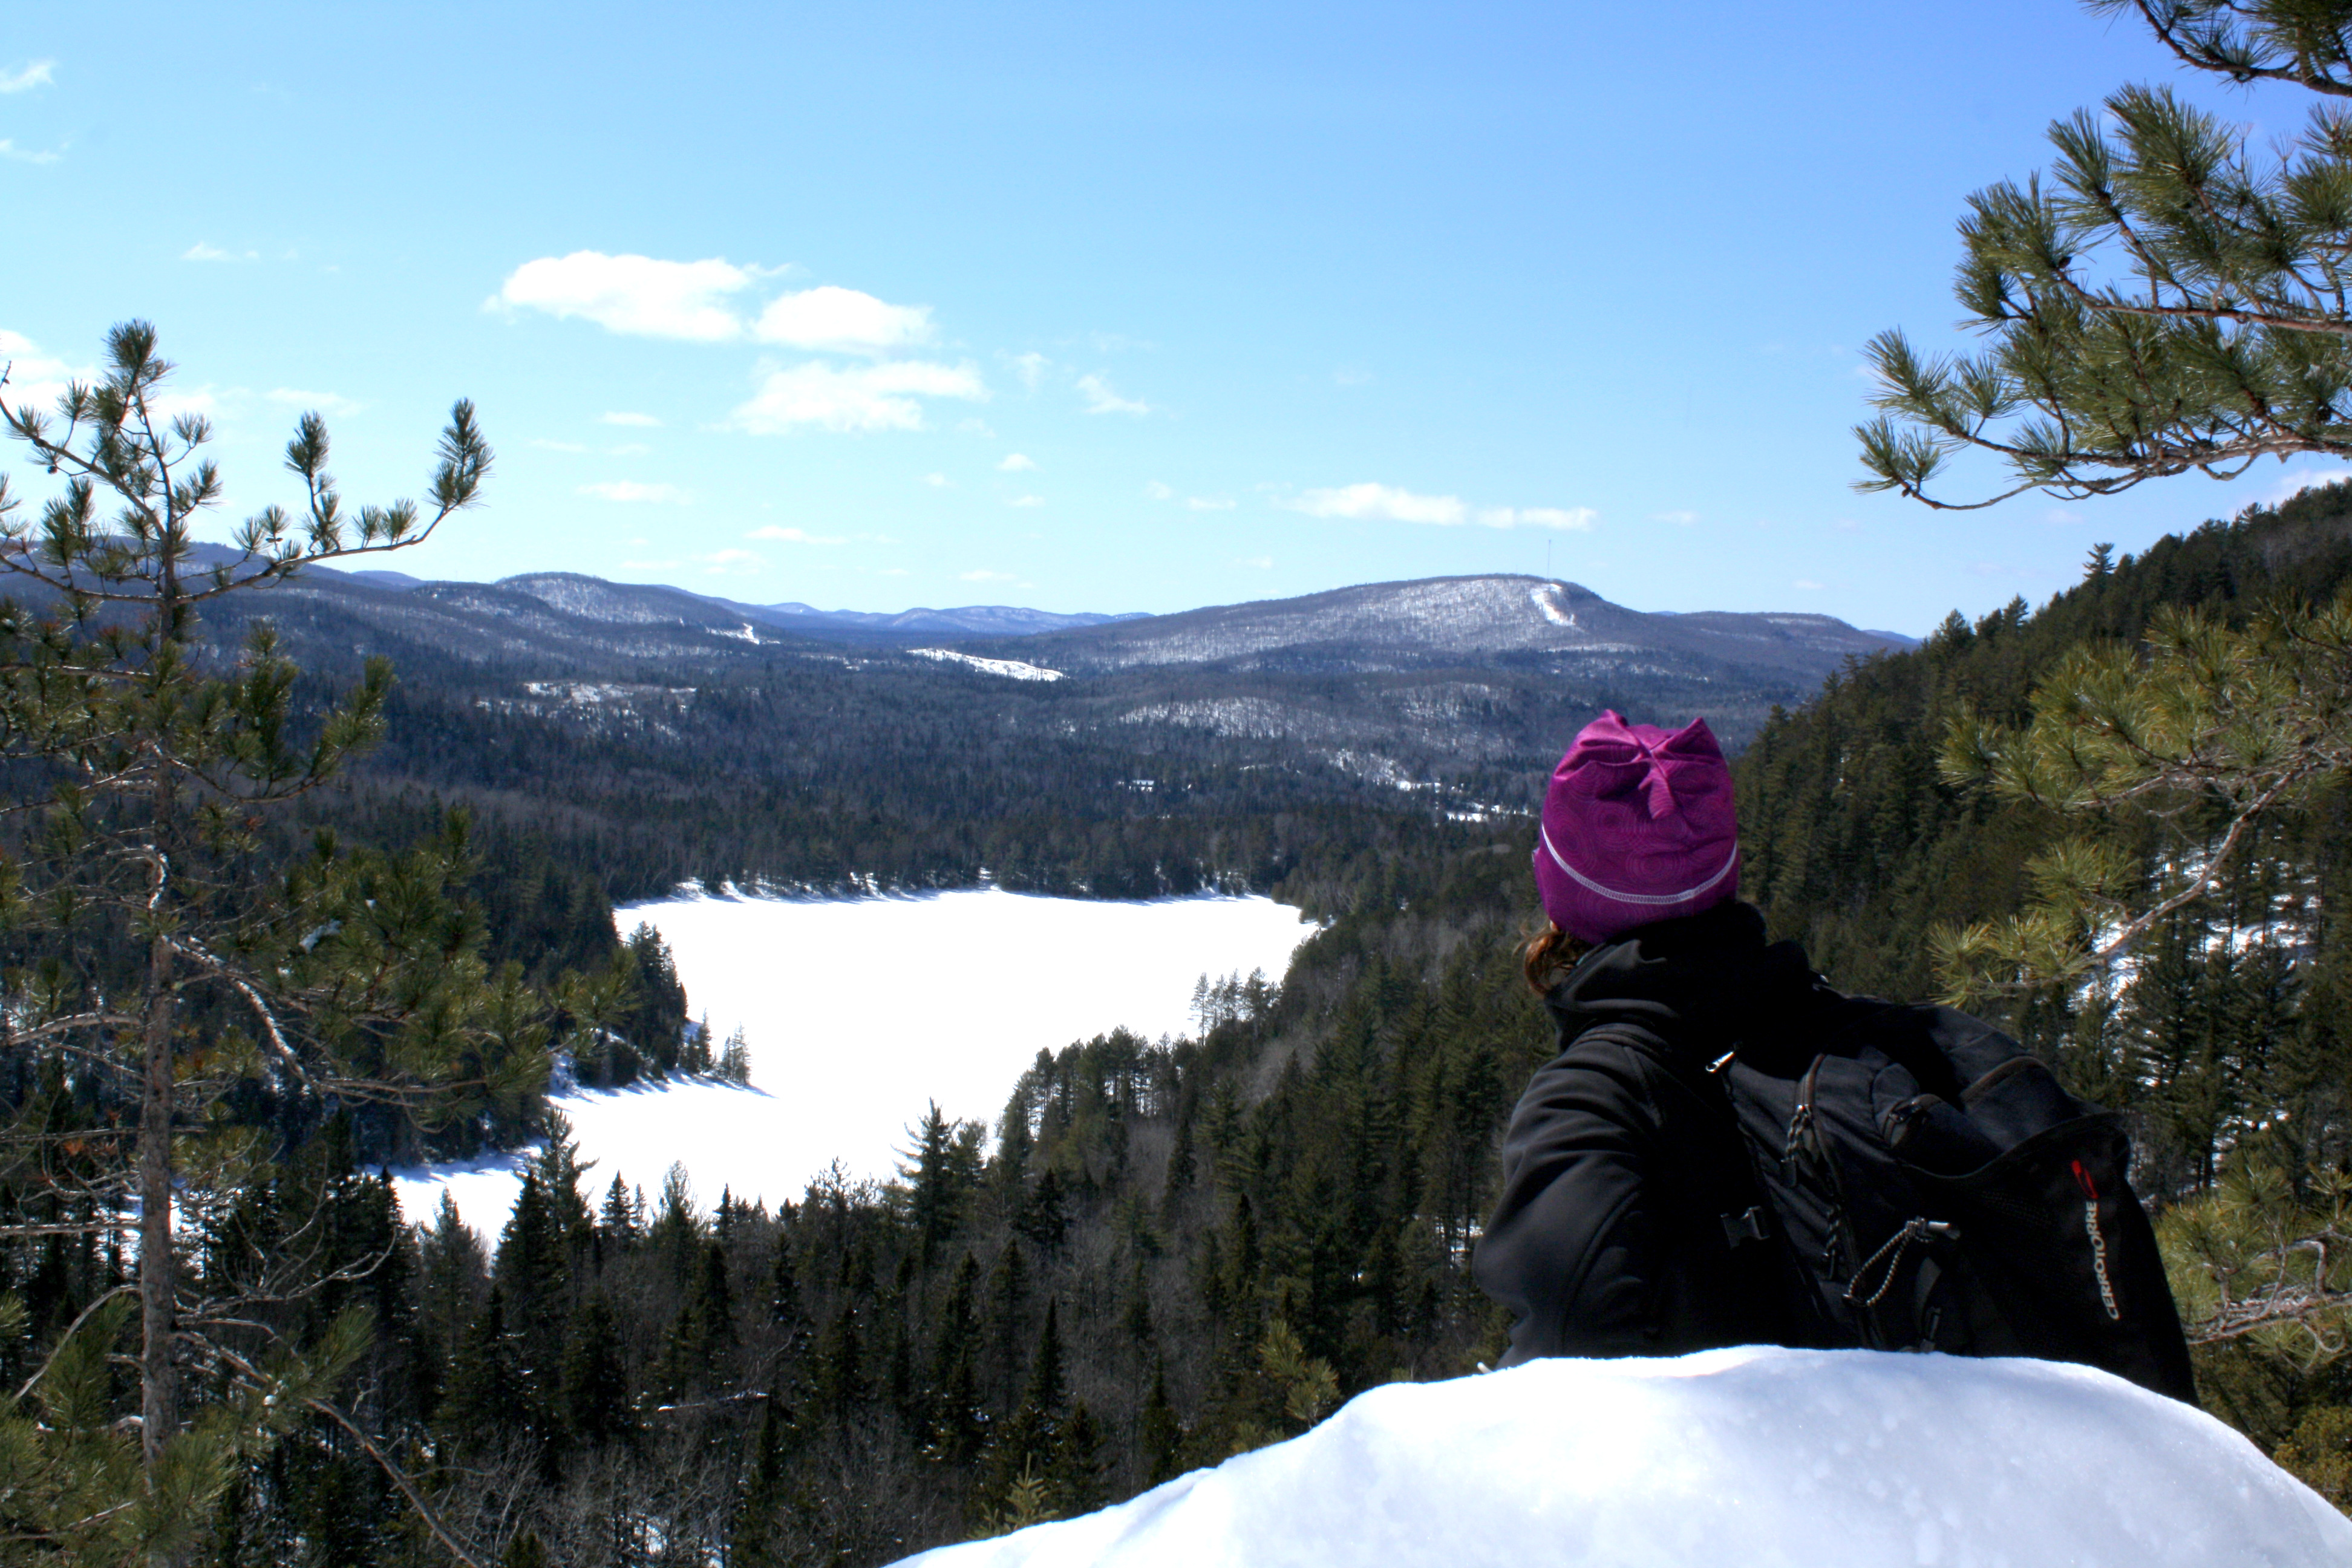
(1085, 307)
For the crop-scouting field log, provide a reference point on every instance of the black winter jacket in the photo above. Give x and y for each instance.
(1622, 1159)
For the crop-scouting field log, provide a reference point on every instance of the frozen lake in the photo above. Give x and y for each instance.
(860, 1012)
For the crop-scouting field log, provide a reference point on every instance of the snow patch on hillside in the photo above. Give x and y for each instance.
(1011, 668)
(858, 1013)
(1547, 599)
(1762, 1457)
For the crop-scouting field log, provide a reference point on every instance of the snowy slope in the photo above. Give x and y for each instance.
(860, 1012)
(1763, 1458)
(1376, 625)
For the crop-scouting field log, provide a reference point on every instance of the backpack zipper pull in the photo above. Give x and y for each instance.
(1722, 1061)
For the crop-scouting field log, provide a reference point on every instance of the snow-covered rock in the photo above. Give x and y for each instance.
(1758, 1457)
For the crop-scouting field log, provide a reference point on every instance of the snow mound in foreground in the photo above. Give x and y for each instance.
(1754, 1456)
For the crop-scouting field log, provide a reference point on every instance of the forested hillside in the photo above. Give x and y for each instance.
(1158, 1256)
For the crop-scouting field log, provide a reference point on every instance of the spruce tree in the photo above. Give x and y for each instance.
(596, 1409)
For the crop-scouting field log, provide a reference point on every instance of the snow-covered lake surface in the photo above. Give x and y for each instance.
(1773, 1458)
(858, 1013)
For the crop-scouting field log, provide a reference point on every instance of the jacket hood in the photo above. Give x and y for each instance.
(1709, 979)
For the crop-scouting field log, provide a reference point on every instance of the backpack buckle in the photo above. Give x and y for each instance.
(1741, 1228)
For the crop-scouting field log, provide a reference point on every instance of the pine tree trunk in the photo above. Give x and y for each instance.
(158, 1390)
(159, 1401)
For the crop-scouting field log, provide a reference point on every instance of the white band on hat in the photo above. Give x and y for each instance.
(1651, 899)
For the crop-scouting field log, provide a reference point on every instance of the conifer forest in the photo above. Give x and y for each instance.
(1160, 1254)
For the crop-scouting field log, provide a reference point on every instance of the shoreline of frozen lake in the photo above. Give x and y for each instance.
(858, 1013)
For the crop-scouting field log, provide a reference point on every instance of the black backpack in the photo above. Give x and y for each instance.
(1932, 1186)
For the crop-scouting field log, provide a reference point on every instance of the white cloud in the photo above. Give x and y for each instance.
(1386, 503)
(2288, 486)
(794, 536)
(937, 481)
(894, 571)
(1382, 504)
(633, 294)
(730, 562)
(547, 445)
(628, 449)
(866, 397)
(1101, 399)
(324, 401)
(1348, 375)
(1014, 463)
(200, 251)
(40, 73)
(2060, 514)
(35, 380)
(631, 490)
(648, 565)
(635, 421)
(1026, 501)
(1807, 583)
(1158, 492)
(16, 154)
(1209, 503)
(1262, 563)
(985, 575)
(843, 320)
(1684, 518)
(1031, 368)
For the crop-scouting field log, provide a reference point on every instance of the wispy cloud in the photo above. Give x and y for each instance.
(547, 445)
(1101, 399)
(730, 562)
(200, 251)
(1153, 490)
(632, 491)
(1015, 463)
(1806, 584)
(16, 154)
(938, 481)
(844, 321)
(863, 397)
(795, 536)
(2296, 480)
(1382, 504)
(1681, 519)
(1031, 368)
(40, 73)
(638, 295)
(1386, 503)
(1262, 563)
(324, 401)
(1026, 501)
(34, 379)
(633, 421)
(1209, 503)
(985, 575)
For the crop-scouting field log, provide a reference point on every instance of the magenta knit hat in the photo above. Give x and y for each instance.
(1637, 826)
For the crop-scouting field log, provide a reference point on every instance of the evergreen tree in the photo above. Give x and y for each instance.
(148, 770)
(2168, 300)
(596, 1408)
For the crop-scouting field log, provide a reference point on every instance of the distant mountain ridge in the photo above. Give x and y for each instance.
(1454, 620)
(653, 603)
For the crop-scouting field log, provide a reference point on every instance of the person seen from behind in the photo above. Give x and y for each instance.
(1636, 1219)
